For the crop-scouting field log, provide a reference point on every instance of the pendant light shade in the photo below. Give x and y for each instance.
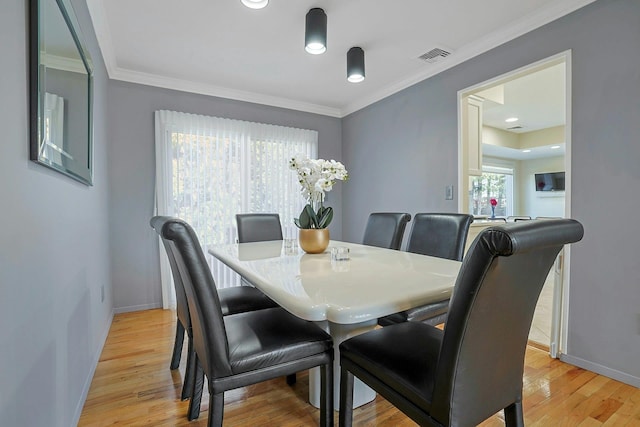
(315, 31)
(355, 65)
(255, 4)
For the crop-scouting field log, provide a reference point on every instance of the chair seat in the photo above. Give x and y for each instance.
(403, 357)
(264, 338)
(239, 299)
(437, 310)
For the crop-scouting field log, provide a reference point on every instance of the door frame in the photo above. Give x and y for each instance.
(560, 310)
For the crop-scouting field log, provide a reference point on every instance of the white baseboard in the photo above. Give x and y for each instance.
(94, 365)
(140, 307)
(602, 370)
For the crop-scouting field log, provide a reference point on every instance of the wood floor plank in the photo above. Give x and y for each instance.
(133, 386)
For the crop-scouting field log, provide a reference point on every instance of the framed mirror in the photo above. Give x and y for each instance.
(60, 86)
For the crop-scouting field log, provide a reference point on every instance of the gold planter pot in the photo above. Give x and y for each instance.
(314, 240)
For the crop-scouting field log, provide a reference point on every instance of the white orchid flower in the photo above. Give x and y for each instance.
(323, 185)
(316, 177)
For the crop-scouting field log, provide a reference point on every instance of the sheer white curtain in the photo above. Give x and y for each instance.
(208, 169)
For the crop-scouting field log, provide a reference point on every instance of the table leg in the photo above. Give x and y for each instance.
(361, 393)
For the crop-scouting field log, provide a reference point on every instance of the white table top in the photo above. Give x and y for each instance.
(375, 282)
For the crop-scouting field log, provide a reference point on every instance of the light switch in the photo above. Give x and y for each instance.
(448, 192)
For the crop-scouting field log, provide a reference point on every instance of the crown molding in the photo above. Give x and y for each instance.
(494, 39)
(219, 91)
(526, 24)
(62, 63)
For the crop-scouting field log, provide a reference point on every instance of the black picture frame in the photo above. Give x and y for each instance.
(60, 91)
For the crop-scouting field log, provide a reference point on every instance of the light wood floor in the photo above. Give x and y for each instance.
(133, 386)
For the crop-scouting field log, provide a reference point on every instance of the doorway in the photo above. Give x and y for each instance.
(513, 130)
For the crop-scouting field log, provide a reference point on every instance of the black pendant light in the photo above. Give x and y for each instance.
(355, 65)
(315, 31)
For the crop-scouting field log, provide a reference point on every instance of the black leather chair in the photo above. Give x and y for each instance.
(385, 229)
(241, 349)
(472, 369)
(258, 227)
(442, 235)
(232, 300)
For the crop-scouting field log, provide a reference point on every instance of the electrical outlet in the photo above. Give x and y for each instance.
(448, 192)
(102, 293)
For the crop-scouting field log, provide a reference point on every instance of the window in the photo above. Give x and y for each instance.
(496, 182)
(209, 169)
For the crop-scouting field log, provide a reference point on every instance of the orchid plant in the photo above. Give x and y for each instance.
(316, 177)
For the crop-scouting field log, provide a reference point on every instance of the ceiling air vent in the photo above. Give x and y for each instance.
(515, 127)
(434, 55)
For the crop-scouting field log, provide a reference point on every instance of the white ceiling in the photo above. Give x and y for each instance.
(222, 48)
(537, 100)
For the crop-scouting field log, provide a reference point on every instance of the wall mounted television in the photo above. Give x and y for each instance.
(550, 181)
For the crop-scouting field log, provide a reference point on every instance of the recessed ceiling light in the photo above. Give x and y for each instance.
(526, 151)
(511, 119)
(255, 4)
(554, 147)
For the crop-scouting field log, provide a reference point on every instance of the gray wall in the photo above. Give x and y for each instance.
(412, 137)
(401, 153)
(54, 255)
(132, 159)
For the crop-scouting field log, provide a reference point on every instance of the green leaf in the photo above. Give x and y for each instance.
(304, 221)
(310, 219)
(313, 218)
(325, 219)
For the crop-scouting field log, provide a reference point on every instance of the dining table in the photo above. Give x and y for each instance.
(344, 294)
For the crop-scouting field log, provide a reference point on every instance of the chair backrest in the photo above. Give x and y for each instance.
(207, 324)
(481, 361)
(385, 229)
(258, 227)
(442, 235)
(182, 307)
